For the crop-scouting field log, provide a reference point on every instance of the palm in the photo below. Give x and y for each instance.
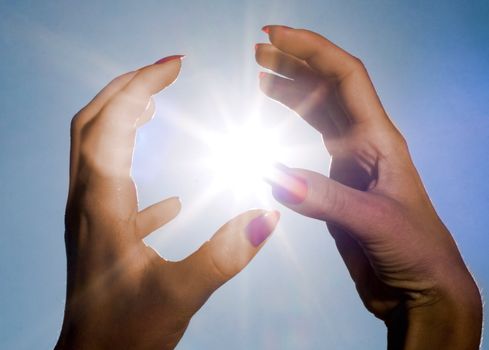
(118, 272)
(377, 296)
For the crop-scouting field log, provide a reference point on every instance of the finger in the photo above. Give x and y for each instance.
(148, 113)
(85, 115)
(99, 101)
(365, 215)
(227, 252)
(108, 141)
(157, 215)
(308, 102)
(353, 83)
(268, 56)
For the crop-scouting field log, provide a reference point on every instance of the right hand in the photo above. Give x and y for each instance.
(404, 262)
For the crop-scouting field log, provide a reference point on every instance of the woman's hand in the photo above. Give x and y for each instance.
(404, 262)
(120, 293)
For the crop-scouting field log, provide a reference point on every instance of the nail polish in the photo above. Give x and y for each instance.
(261, 227)
(266, 28)
(169, 58)
(287, 187)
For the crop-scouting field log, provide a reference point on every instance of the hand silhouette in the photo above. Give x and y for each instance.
(405, 265)
(121, 294)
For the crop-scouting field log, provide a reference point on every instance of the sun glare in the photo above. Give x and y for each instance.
(242, 156)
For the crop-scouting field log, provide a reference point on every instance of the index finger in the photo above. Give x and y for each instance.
(108, 139)
(354, 86)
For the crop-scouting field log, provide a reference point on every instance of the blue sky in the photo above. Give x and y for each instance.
(430, 64)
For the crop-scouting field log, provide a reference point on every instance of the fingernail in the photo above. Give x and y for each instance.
(262, 75)
(169, 58)
(287, 187)
(261, 227)
(266, 28)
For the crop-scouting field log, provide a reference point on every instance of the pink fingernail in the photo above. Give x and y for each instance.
(169, 58)
(262, 75)
(261, 227)
(286, 186)
(266, 28)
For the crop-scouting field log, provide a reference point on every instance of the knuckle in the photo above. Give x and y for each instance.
(221, 272)
(331, 203)
(78, 121)
(121, 78)
(397, 142)
(125, 105)
(337, 203)
(98, 163)
(355, 64)
(402, 143)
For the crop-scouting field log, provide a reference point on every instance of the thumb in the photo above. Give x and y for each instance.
(231, 248)
(317, 196)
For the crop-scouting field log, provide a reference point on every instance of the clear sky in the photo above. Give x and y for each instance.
(430, 64)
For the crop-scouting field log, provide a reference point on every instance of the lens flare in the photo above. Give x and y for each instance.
(242, 156)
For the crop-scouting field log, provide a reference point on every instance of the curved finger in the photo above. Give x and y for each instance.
(148, 113)
(99, 101)
(108, 139)
(268, 56)
(231, 248)
(354, 86)
(155, 216)
(85, 115)
(311, 103)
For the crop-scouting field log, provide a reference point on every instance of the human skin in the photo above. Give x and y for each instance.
(404, 262)
(120, 293)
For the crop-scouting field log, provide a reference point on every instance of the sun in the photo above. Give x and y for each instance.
(242, 156)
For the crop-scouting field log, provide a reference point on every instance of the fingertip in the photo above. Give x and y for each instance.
(170, 58)
(287, 187)
(177, 202)
(171, 70)
(153, 78)
(275, 31)
(169, 67)
(270, 27)
(259, 52)
(261, 227)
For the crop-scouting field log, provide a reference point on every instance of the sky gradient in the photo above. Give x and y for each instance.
(430, 65)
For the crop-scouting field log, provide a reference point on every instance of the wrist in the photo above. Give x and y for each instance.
(451, 320)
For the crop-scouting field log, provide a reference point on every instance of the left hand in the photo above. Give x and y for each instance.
(404, 262)
(120, 293)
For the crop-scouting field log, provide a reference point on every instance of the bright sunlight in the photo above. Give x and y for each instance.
(241, 157)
